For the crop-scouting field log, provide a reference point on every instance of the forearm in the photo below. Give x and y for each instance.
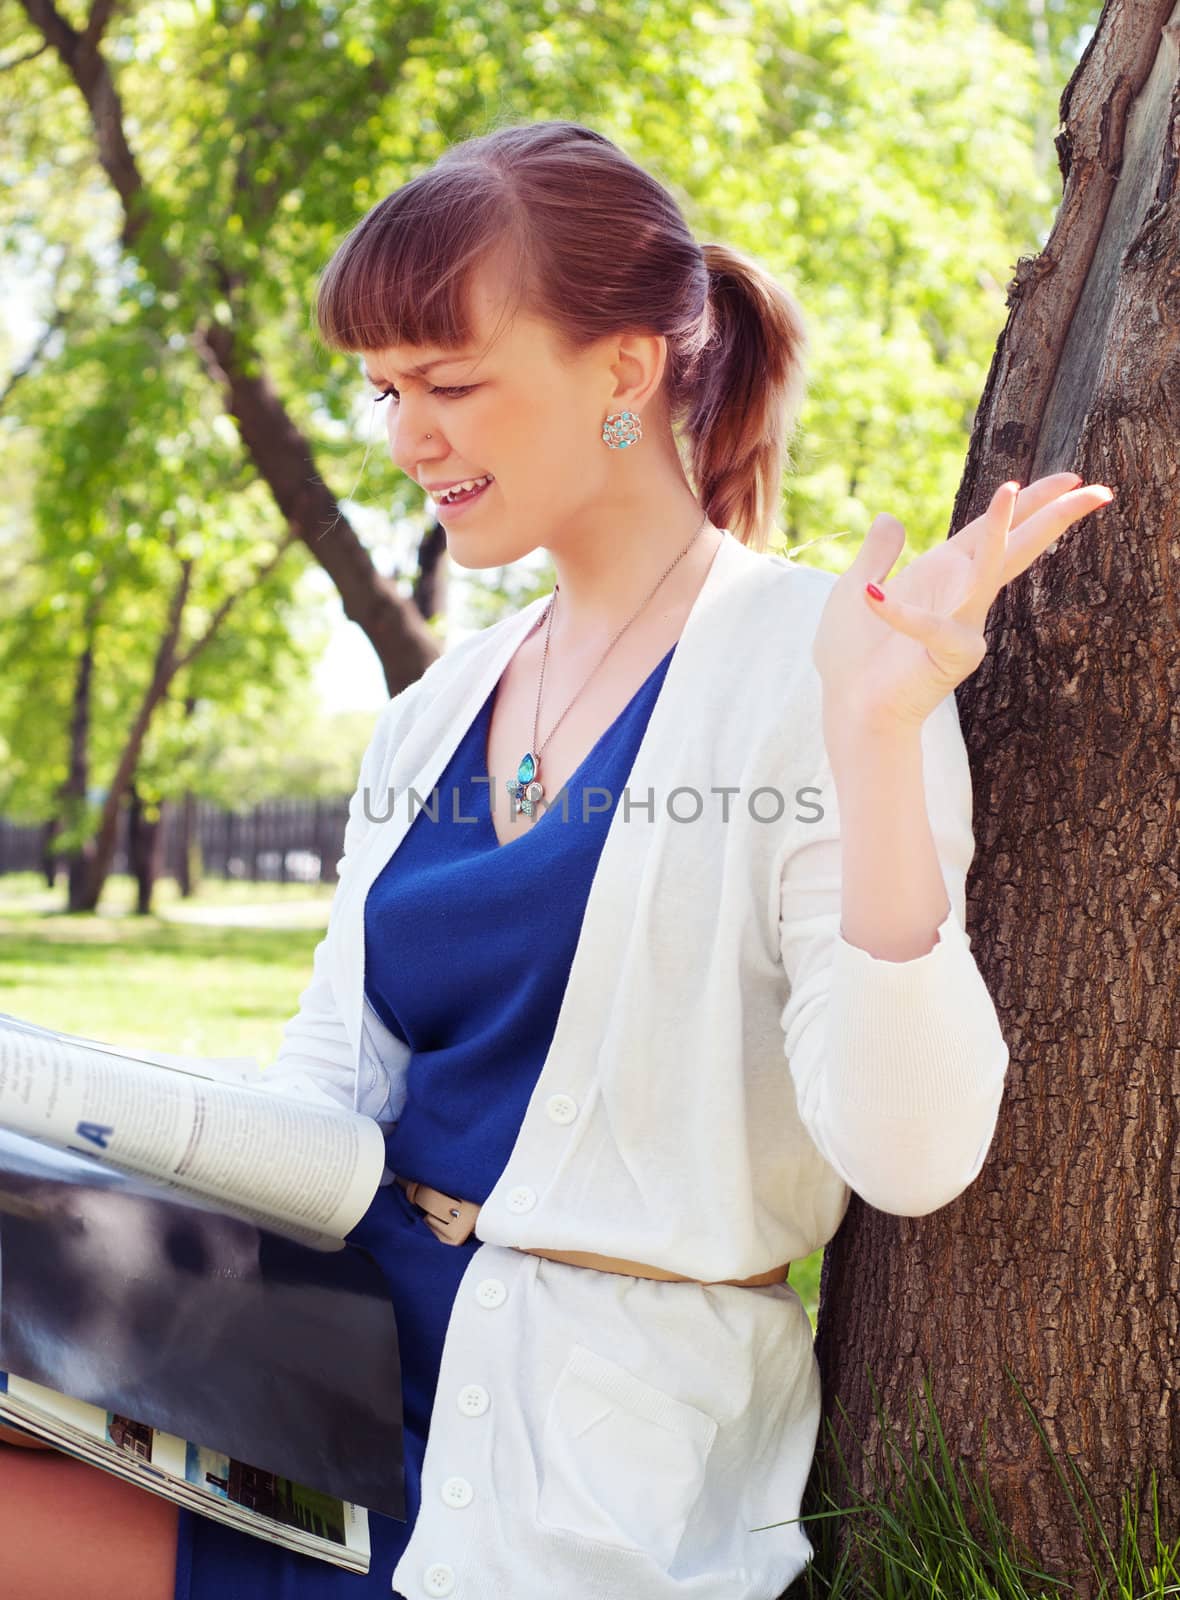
(893, 1038)
(893, 897)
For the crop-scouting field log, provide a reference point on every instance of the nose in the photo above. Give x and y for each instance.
(407, 425)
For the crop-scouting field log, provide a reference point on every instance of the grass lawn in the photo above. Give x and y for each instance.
(221, 987)
(203, 989)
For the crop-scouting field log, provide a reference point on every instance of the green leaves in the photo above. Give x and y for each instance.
(883, 160)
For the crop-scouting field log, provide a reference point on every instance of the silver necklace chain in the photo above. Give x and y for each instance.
(552, 606)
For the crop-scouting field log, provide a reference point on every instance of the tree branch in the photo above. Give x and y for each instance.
(230, 601)
(101, 13)
(60, 317)
(19, 61)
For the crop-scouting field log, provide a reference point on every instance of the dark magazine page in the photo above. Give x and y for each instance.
(200, 1324)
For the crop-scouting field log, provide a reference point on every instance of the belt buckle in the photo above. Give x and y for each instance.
(457, 1226)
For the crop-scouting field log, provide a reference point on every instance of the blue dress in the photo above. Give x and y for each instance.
(468, 947)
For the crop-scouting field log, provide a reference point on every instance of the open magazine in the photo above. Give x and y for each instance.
(179, 1304)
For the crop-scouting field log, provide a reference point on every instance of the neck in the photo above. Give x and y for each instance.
(607, 567)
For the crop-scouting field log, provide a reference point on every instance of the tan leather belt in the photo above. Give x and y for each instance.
(453, 1221)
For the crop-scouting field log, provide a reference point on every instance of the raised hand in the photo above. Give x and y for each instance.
(886, 663)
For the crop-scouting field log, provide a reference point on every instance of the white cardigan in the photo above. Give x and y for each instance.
(724, 1068)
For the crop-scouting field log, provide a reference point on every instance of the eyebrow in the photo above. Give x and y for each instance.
(425, 366)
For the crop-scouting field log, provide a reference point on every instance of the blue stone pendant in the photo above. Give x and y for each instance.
(524, 788)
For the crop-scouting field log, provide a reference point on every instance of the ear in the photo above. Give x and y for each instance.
(637, 364)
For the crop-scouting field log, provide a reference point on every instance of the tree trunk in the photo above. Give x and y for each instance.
(189, 864)
(75, 789)
(169, 661)
(164, 669)
(49, 832)
(283, 456)
(144, 841)
(1059, 1262)
(430, 586)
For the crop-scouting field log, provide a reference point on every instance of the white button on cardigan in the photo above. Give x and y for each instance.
(561, 1108)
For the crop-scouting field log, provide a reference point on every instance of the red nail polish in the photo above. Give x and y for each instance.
(877, 594)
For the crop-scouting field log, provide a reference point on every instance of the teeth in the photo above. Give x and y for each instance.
(460, 488)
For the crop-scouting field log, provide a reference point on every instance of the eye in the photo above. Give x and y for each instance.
(451, 394)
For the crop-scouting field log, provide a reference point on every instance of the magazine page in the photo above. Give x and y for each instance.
(273, 1158)
(225, 1069)
(206, 1481)
(203, 1325)
(222, 1069)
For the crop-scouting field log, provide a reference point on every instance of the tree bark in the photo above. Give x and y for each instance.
(283, 456)
(190, 867)
(49, 831)
(1059, 1262)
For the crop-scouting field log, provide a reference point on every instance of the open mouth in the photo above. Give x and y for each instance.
(464, 497)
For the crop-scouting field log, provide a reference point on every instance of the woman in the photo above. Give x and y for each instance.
(648, 945)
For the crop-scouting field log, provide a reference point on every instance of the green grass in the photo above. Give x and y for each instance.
(929, 1529)
(194, 988)
(805, 1282)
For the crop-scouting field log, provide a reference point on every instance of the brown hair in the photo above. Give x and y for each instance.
(596, 246)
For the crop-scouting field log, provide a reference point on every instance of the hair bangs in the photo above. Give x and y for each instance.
(402, 275)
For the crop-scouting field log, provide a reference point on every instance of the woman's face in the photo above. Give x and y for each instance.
(514, 406)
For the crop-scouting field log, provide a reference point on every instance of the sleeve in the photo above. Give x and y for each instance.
(898, 1066)
(315, 1058)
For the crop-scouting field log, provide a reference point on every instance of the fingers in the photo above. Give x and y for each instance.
(1031, 499)
(883, 542)
(1002, 544)
(1040, 530)
(955, 646)
(1043, 492)
(991, 556)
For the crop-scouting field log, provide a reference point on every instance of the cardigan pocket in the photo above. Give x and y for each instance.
(621, 1461)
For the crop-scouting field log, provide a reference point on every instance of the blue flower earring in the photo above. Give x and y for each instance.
(620, 429)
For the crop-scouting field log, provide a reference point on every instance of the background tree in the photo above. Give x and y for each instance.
(181, 409)
(132, 582)
(195, 232)
(188, 172)
(284, 122)
(1058, 1264)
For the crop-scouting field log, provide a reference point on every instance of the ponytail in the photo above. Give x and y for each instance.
(746, 394)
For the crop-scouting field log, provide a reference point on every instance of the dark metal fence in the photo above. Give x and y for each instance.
(20, 847)
(280, 841)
